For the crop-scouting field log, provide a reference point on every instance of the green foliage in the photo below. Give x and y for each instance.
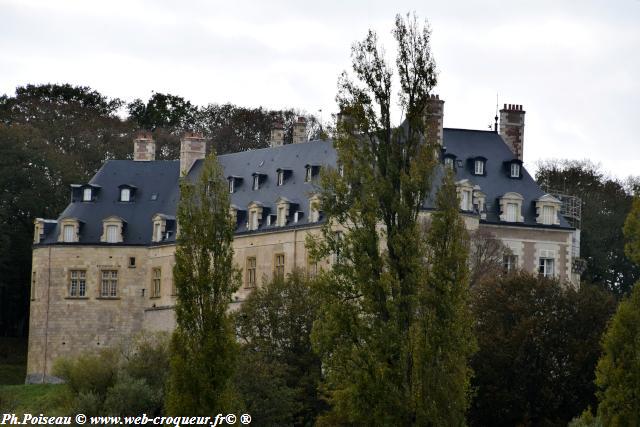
(618, 371)
(203, 346)
(374, 324)
(50, 399)
(538, 347)
(120, 381)
(442, 335)
(605, 205)
(163, 111)
(279, 374)
(586, 420)
(632, 232)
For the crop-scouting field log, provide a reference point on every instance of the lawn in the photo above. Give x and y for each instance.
(48, 399)
(13, 360)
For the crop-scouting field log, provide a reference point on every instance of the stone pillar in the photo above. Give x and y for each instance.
(300, 130)
(144, 147)
(193, 146)
(277, 135)
(434, 120)
(512, 128)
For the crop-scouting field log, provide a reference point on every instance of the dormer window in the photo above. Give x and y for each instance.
(256, 182)
(296, 216)
(86, 194)
(112, 228)
(448, 162)
(465, 192)
(69, 230)
(511, 207)
(282, 206)
(234, 182)
(255, 215)
(515, 170)
(280, 177)
(479, 167)
(547, 208)
(162, 224)
(68, 233)
(314, 208)
(231, 186)
(308, 174)
(125, 194)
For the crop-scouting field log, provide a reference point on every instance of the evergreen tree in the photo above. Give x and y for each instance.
(203, 347)
(632, 232)
(376, 297)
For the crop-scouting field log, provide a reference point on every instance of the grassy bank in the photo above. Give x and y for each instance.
(48, 399)
(13, 360)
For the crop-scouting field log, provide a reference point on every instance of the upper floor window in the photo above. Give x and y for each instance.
(156, 283)
(479, 167)
(511, 207)
(256, 182)
(112, 230)
(125, 194)
(465, 200)
(448, 162)
(548, 214)
(515, 170)
(280, 177)
(69, 230)
(512, 212)
(77, 283)
(250, 274)
(547, 208)
(109, 283)
(231, 185)
(69, 233)
(112, 234)
(278, 265)
(86, 194)
(308, 174)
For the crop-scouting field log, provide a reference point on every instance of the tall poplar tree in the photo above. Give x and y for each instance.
(374, 299)
(203, 347)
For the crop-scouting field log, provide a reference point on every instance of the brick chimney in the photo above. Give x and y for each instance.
(144, 147)
(193, 146)
(300, 130)
(277, 134)
(434, 119)
(512, 128)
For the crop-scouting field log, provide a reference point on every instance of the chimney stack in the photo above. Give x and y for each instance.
(300, 130)
(512, 128)
(192, 147)
(434, 119)
(277, 134)
(144, 147)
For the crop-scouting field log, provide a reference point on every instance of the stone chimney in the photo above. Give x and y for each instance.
(193, 146)
(512, 128)
(144, 147)
(277, 134)
(300, 130)
(434, 119)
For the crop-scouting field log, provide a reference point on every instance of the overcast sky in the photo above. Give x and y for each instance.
(574, 65)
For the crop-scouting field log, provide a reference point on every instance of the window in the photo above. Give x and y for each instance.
(465, 201)
(512, 212)
(296, 216)
(125, 194)
(510, 262)
(156, 282)
(282, 217)
(515, 170)
(546, 267)
(77, 283)
(231, 185)
(479, 167)
(251, 272)
(132, 261)
(256, 182)
(112, 234)
(448, 162)
(253, 220)
(109, 284)
(280, 177)
(278, 269)
(86, 195)
(69, 233)
(308, 174)
(548, 215)
(157, 232)
(33, 286)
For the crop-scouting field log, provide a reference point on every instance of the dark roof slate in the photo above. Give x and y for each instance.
(161, 178)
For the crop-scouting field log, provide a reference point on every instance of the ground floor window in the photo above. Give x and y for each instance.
(251, 272)
(77, 283)
(546, 267)
(279, 265)
(509, 262)
(109, 285)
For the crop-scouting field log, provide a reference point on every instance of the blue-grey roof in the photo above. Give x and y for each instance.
(156, 191)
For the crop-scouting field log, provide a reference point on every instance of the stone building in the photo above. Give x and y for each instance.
(102, 271)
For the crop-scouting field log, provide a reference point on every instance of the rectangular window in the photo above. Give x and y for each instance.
(86, 195)
(479, 167)
(296, 216)
(546, 267)
(157, 232)
(515, 170)
(69, 233)
(510, 262)
(253, 220)
(125, 195)
(465, 202)
(256, 182)
(512, 212)
(279, 265)
(308, 174)
(280, 177)
(231, 184)
(112, 234)
(156, 282)
(448, 162)
(251, 272)
(548, 215)
(77, 283)
(109, 284)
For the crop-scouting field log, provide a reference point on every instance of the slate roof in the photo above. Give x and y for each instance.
(156, 188)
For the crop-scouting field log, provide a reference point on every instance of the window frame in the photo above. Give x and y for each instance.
(509, 262)
(256, 182)
(156, 282)
(111, 233)
(478, 167)
(517, 168)
(543, 266)
(111, 282)
(308, 174)
(127, 191)
(251, 270)
(279, 261)
(87, 191)
(232, 186)
(79, 288)
(68, 238)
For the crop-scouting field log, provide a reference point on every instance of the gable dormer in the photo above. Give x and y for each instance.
(69, 230)
(282, 211)
(112, 229)
(511, 207)
(314, 208)
(547, 210)
(465, 194)
(254, 220)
